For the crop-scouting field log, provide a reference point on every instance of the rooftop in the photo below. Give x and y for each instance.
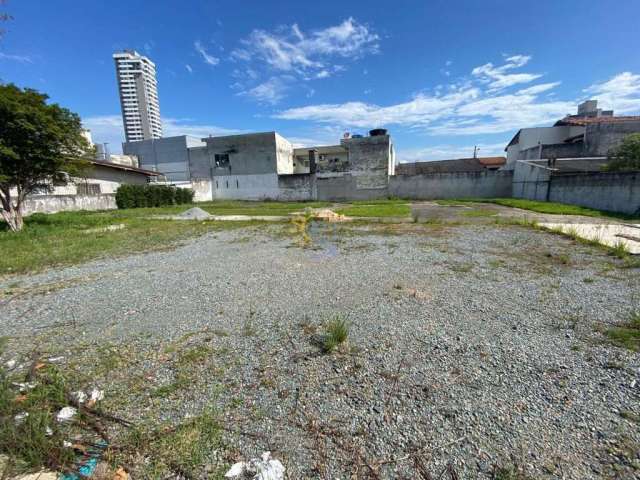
(583, 121)
(127, 168)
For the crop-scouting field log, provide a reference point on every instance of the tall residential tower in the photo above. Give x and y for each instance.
(138, 96)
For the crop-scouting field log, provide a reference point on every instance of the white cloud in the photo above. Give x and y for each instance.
(543, 87)
(474, 107)
(303, 55)
(184, 126)
(448, 152)
(16, 58)
(497, 78)
(422, 109)
(209, 59)
(188, 67)
(270, 92)
(620, 93)
(293, 51)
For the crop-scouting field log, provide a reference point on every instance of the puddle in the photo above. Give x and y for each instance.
(323, 246)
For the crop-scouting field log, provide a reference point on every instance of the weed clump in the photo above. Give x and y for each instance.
(626, 335)
(337, 332)
(301, 224)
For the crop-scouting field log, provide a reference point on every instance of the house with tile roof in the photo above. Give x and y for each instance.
(591, 133)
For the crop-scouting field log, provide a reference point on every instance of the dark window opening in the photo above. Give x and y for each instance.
(88, 189)
(217, 184)
(222, 160)
(237, 184)
(227, 183)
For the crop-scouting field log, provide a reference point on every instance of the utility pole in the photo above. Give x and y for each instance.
(475, 151)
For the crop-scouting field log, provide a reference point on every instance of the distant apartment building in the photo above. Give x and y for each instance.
(138, 96)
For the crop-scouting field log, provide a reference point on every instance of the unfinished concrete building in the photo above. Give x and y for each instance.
(259, 166)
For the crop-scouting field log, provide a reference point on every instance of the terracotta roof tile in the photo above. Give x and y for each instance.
(582, 121)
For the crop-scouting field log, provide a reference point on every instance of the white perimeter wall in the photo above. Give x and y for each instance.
(246, 187)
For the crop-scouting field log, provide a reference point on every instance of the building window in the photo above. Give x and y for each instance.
(217, 184)
(88, 189)
(222, 160)
(237, 184)
(227, 183)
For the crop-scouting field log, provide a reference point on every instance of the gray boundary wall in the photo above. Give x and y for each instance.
(612, 191)
(489, 184)
(59, 203)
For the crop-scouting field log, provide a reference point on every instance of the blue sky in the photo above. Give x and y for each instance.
(442, 76)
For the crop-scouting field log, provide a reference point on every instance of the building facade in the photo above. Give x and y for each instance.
(593, 132)
(138, 90)
(94, 190)
(258, 166)
(168, 155)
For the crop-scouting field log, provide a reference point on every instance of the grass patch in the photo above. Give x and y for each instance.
(30, 436)
(245, 207)
(182, 451)
(194, 355)
(463, 267)
(619, 250)
(336, 333)
(541, 207)
(478, 212)
(626, 335)
(62, 238)
(376, 210)
(510, 472)
(629, 415)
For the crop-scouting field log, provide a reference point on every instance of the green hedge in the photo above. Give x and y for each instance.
(137, 196)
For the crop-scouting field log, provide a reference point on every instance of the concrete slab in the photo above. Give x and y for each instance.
(609, 234)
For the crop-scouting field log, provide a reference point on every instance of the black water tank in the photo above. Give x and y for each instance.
(377, 132)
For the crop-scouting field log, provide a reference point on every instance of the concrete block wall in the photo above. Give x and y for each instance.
(600, 138)
(341, 186)
(59, 203)
(433, 186)
(615, 192)
(531, 181)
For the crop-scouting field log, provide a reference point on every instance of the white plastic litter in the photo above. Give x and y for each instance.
(66, 414)
(24, 386)
(96, 395)
(79, 397)
(93, 396)
(10, 364)
(56, 359)
(21, 416)
(260, 469)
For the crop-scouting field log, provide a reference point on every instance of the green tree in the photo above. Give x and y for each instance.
(41, 145)
(626, 156)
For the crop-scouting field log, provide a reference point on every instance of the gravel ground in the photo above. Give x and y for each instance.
(474, 348)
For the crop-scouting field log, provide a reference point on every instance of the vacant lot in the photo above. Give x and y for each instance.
(474, 349)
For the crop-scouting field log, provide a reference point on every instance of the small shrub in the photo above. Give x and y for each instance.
(626, 156)
(337, 332)
(140, 196)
